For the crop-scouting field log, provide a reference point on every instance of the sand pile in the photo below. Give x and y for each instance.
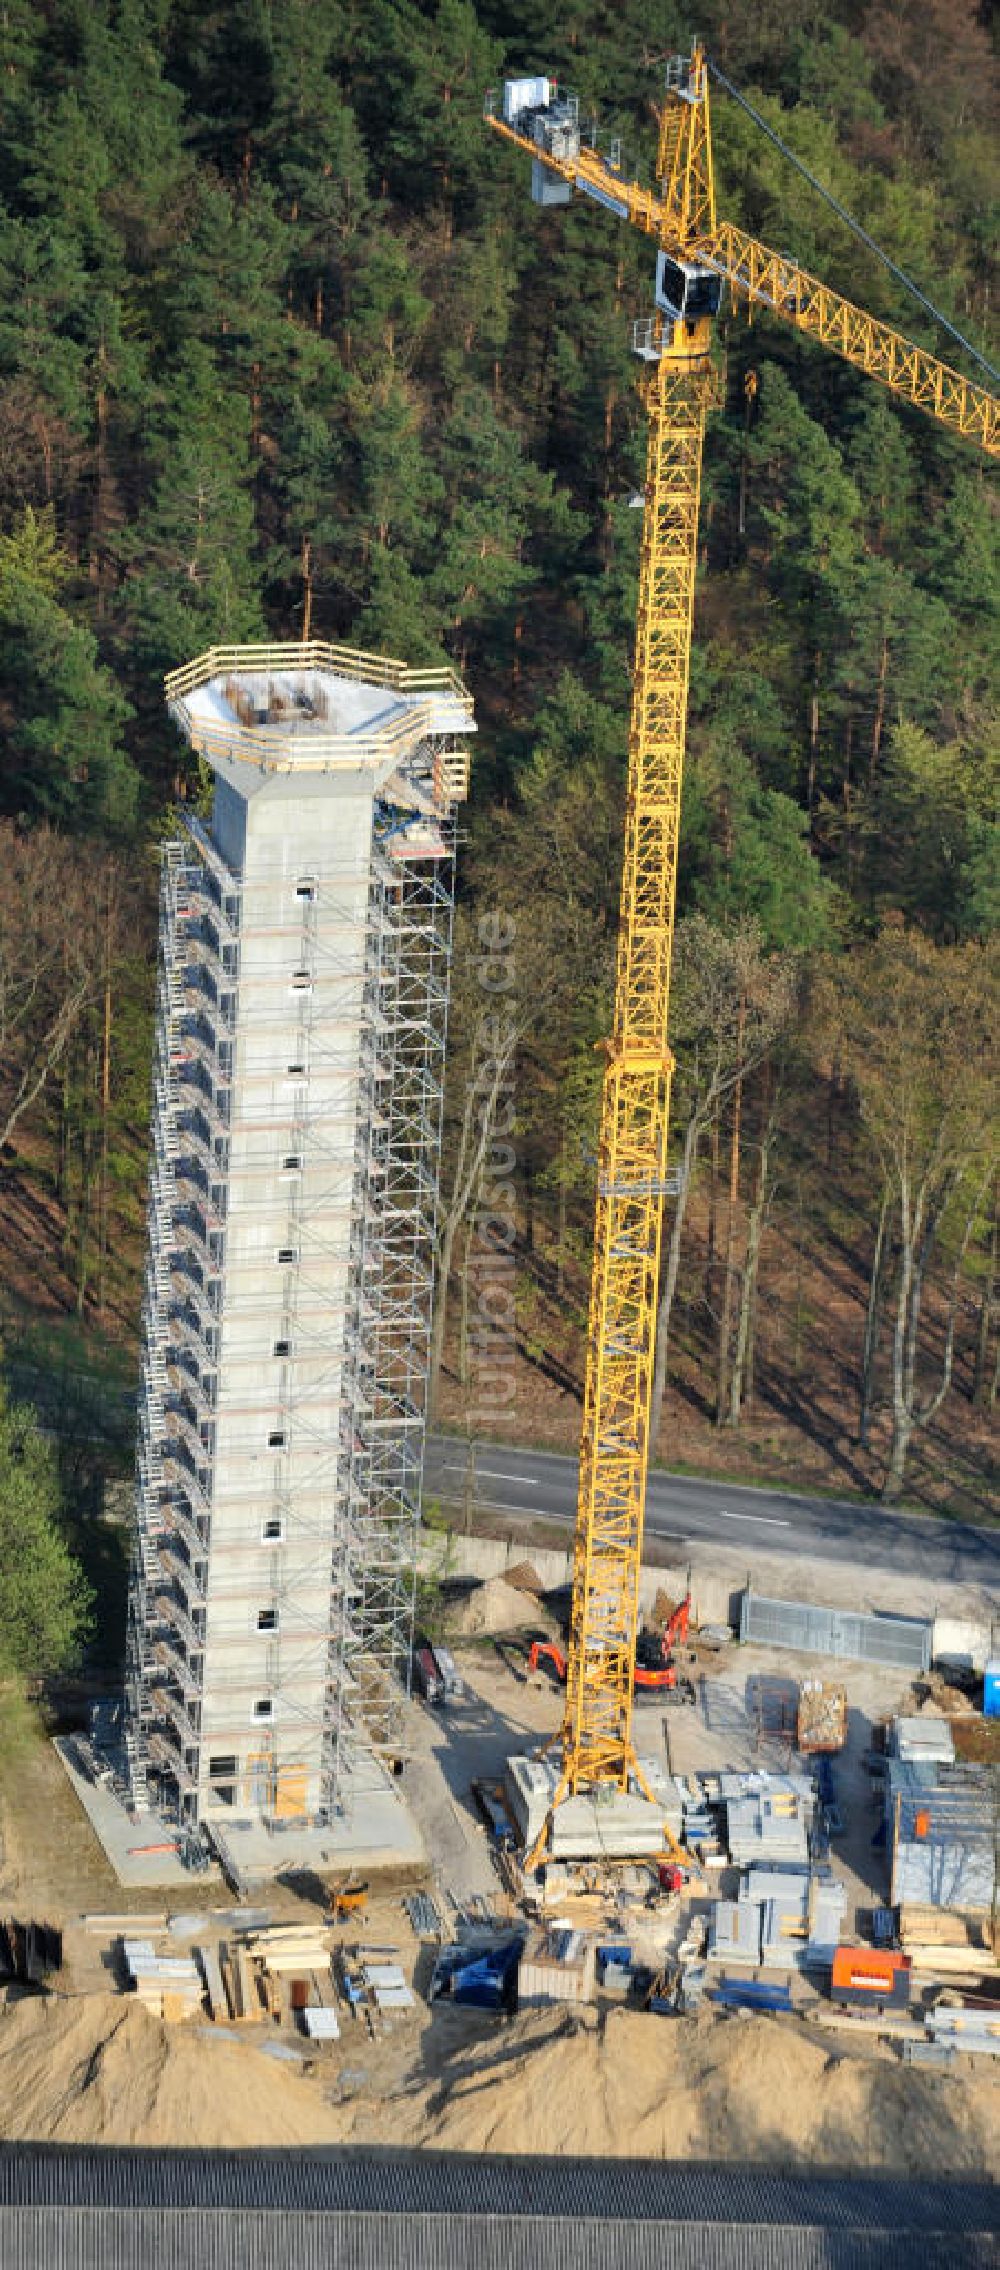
(525, 1578)
(749, 2089)
(496, 1606)
(100, 2070)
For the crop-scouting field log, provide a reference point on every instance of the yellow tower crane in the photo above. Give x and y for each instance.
(697, 256)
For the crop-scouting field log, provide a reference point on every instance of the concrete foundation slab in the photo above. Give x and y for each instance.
(378, 1833)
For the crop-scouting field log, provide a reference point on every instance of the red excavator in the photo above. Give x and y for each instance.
(655, 1669)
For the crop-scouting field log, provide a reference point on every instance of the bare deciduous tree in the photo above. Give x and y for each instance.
(731, 1001)
(50, 959)
(918, 1027)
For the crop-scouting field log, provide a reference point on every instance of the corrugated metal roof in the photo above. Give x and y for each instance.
(551, 2190)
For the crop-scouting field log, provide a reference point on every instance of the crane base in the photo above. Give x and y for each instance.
(608, 1824)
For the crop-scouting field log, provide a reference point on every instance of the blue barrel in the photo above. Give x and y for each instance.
(991, 1689)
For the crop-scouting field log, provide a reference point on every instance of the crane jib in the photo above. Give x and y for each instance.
(602, 197)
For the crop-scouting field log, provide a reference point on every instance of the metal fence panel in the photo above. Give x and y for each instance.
(902, 1642)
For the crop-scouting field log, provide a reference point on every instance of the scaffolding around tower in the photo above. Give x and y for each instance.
(305, 941)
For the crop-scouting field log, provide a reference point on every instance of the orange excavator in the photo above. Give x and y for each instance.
(655, 1669)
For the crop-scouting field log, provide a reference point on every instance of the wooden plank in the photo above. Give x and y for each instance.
(250, 2009)
(208, 1961)
(177, 2009)
(229, 1982)
(138, 1926)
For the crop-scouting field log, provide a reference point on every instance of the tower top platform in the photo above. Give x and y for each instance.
(308, 709)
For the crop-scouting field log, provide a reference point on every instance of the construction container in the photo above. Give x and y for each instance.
(821, 1724)
(557, 1966)
(991, 1689)
(870, 1978)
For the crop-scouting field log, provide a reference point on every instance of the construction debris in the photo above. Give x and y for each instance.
(822, 1717)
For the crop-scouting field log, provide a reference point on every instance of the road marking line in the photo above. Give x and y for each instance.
(763, 1520)
(490, 1474)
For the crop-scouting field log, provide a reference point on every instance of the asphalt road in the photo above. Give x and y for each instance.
(538, 1484)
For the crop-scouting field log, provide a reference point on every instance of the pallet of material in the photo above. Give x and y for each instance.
(320, 2023)
(953, 1962)
(298, 1947)
(935, 1926)
(168, 1986)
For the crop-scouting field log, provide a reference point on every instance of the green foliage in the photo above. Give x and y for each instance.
(64, 759)
(44, 1602)
(282, 339)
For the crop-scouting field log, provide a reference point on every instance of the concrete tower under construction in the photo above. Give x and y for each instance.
(304, 950)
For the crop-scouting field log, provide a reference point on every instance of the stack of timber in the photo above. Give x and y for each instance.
(293, 1960)
(168, 1986)
(947, 1945)
(291, 1948)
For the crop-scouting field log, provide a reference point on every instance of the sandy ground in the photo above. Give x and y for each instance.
(99, 2070)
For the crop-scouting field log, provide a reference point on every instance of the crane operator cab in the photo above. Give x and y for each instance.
(684, 292)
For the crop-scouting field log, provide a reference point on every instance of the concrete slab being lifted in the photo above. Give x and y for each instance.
(141, 1848)
(611, 1825)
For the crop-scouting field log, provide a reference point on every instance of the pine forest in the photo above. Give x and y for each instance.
(287, 352)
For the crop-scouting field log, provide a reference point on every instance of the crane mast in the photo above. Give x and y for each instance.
(677, 388)
(635, 1103)
(695, 257)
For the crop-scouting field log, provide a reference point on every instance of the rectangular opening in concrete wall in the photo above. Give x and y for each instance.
(282, 1347)
(267, 1619)
(273, 1531)
(286, 1255)
(292, 1164)
(305, 890)
(301, 982)
(263, 1707)
(276, 1439)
